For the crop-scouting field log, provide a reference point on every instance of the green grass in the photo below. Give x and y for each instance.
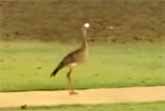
(156, 106)
(27, 66)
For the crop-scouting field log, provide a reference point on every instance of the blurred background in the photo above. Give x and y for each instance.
(60, 20)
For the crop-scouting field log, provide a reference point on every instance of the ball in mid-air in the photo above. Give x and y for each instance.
(86, 25)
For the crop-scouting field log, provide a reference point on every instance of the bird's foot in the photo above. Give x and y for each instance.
(73, 93)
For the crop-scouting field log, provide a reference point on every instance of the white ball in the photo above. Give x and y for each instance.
(86, 25)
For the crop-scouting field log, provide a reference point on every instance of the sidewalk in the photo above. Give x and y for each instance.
(91, 96)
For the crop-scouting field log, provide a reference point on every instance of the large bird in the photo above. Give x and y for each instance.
(74, 58)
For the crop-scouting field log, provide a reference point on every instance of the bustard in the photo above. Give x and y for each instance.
(74, 58)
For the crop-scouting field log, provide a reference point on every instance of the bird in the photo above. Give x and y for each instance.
(74, 58)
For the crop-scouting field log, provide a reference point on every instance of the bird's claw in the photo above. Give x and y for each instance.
(73, 93)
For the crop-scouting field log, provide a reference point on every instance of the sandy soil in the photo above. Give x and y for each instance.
(91, 96)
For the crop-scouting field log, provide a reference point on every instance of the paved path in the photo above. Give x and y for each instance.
(91, 96)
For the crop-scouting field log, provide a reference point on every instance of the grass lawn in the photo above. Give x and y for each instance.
(27, 65)
(156, 106)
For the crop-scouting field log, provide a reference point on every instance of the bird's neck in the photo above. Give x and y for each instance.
(84, 43)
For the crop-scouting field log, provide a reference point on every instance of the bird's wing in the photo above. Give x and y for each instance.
(71, 57)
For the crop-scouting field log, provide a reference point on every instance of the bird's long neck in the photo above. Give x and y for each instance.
(84, 43)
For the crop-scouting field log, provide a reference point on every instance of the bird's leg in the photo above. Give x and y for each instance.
(70, 82)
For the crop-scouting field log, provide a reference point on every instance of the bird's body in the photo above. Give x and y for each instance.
(74, 58)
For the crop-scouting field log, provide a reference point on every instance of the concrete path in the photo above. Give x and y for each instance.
(91, 96)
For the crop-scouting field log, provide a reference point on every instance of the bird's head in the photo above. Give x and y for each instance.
(86, 25)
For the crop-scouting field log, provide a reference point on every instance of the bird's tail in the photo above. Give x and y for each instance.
(60, 66)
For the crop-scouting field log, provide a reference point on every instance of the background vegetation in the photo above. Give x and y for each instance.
(111, 20)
